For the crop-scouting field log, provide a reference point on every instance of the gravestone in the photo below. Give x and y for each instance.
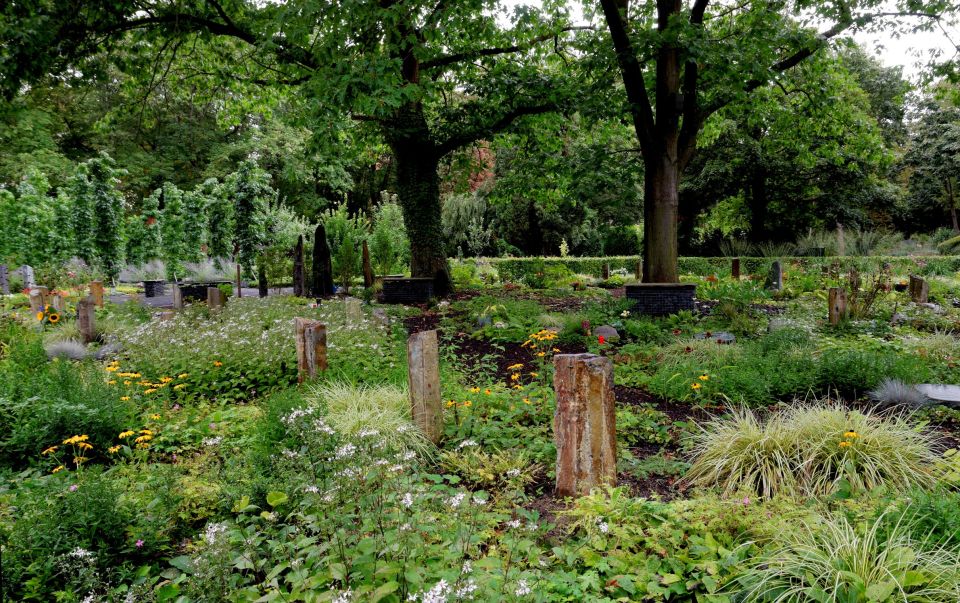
(721, 337)
(836, 305)
(4, 280)
(638, 270)
(407, 290)
(299, 278)
(775, 277)
(352, 309)
(58, 303)
(423, 374)
(605, 271)
(26, 274)
(177, 297)
(322, 281)
(87, 319)
(735, 268)
(311, 348)
(608, 333)
(38, 298)
(584, 423)
(367, 268)
(919, 289)
(948, 395)
(96, 291)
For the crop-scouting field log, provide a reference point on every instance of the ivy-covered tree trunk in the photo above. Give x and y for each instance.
(418, 188)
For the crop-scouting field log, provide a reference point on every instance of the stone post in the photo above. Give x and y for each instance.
(638, 270)
(177, 297)
(584, 424)
(367, 268)
(38, 298)
(215, 298)
(4, 280)
(58, 303)
(299, 278)
(919, 289)
(96, 291)
(87, 319)
(735, 268)
(26, 273)
(605, 271)
(836, 305)
(311, 348)
(322, 281)
(423, 372)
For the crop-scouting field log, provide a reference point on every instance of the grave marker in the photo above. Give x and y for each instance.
(26, 273)
(775, 277)
(353, 311)
(299, 278)
(215, 298)
(836, 305)
(584, 424)
(423, 373)
(4, 280)
(735, 268)
(367, 268)
(919, 289)
(311, 348)
(96, 291)
(87, 319)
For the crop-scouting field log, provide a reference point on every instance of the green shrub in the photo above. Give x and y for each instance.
(834, 561)
(811, 450)
(929, 516)
(949, 246)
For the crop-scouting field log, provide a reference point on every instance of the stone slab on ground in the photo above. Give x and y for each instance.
(948, 395)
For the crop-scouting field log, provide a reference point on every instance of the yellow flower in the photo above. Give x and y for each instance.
(451, 403)
(79, 460)
(534, 374)
(851, 435)
(150, 391)
(217, 363)
(517, 386)
(474, 390)
(556, 350)
(113, 369)
(124, 398)
(126, 434)
(57, 468)
(112, 382)
(515, 376)
(541, 354)
(143, 438)
(84, 446)
(515, 367)
(39, 315)
(147, 431)
(155, 417)
(844, 444)
(166, 379)
(49, 450)
(694, 386)
(183, 375)
(180, 386)
(486, 391)
(467, 403)
(54, 318)
(143, 445)
(704, 377)
(113, 449)
(127, 382)
(526, 400)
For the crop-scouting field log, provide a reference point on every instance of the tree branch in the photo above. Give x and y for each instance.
(480, 131)
(450, 59)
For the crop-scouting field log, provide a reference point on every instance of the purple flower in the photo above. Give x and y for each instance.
(212, 426)
(139, 544)
(746, 500)
(176, 407)
(74, 488)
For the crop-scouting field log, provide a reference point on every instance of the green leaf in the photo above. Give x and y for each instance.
(275, 499)
(383, 590)
(877, 593)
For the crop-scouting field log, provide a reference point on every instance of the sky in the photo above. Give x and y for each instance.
(909, 51)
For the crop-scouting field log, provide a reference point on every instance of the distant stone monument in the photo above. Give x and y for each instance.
(26, 273)
(4, 280)
(299, 278)
(322, 281)
(775, 277)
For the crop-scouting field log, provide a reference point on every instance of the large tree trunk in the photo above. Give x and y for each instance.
(951, 197)
(661, 202)
(418, 187)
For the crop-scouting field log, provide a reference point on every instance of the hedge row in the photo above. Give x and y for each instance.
(517, 268)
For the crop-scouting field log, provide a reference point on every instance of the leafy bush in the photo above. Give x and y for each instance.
(834, 561)
(498, 472)
(811, 450)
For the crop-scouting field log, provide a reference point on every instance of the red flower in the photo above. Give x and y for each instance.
(677, 331)
(600, 339)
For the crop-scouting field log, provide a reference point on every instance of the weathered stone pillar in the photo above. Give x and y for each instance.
(605, 271)
(4, 280)
(353, 311)
(584, 424)
(87, 319)
(215, 298)
(96, 291)
(423, 372)
(775, 278)
(836, 305)
(57, 302)
(177, 297)
(311, 348)
(919, 290)
(322, 264)
(735, 268)
(38, 299)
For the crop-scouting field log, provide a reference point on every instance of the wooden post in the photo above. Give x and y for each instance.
(353, 311)
(735, 268)
(4, 280)
(423, 373)
(919, 289)
(177, 297)
(367, 268)
(836, 305)
(96, 291)
(584, 424)
(299, 278)
(638, 270)
(87, 319)
(239, 282)
(215, 298)
(311, 348)
(605, 271)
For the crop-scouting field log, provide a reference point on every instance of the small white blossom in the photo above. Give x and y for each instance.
(407, 500)
(345, 451)
(467, 443)
(513, 523)
(513, 473)
(344, 597)
(603, 526)
(523, 589)
(213, 532)
(456, 500)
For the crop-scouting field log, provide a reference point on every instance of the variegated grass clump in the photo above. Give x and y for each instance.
(832, 560)
(811, 450)
(360, 410)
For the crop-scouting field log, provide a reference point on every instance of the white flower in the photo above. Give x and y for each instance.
(466, 591)
(345, 451)
(467, 567)
(467, 443)
(81, 553)
(513, 473)
(625, 313)
(213, 532)
(366, 433)
(213, 441)
(311, 489)
(456, 500)
(523, 589)
(478, 500)
(513, 523)
(437, 594)
(603, 526)
(407, 500)
(344, 597)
